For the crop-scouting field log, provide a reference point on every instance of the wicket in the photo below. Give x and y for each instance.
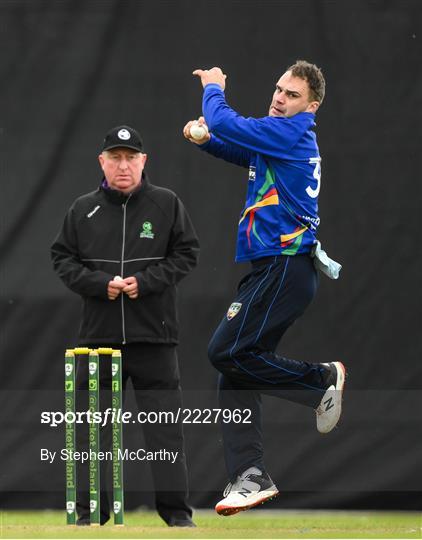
(94, 433)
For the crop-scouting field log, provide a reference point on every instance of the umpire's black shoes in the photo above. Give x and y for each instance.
(253, 487)
(329, 410)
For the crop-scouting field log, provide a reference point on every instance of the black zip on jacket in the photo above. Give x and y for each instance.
(147, 234)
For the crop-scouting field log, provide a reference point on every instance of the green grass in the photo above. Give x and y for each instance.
(252, 524)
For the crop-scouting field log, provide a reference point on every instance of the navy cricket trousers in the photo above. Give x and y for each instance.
(269, 299)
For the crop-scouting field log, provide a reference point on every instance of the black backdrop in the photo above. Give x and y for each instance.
(70, 70)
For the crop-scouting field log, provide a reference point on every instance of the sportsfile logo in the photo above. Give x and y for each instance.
(115, 415)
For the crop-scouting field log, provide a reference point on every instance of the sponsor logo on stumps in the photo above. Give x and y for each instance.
(92, 367)
(68, 368)
(92, 505)
(93, 385)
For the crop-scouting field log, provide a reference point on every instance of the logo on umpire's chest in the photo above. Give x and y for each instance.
(147, 230)
(93, 211)
(233, 310)
(252, 173)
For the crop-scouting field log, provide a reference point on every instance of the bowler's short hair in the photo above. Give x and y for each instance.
(314, 77)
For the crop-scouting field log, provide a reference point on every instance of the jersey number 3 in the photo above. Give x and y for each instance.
(317, 175)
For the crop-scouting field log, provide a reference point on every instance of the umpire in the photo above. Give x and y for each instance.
(123, 248)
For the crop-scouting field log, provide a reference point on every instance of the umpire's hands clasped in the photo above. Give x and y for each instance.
(118, 285)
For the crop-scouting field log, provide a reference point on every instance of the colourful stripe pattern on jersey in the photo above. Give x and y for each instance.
(281, 211)
(267, 195)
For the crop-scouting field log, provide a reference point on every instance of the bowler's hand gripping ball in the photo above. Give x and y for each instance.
(198, 131)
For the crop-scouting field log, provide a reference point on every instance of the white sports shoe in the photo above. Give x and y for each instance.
(251, 488)
(329, 410)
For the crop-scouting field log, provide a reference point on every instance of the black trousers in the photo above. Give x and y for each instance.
(154, 372)
(269, 299)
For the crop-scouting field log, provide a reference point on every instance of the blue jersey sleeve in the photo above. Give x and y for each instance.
(273, 136)
(228, 152)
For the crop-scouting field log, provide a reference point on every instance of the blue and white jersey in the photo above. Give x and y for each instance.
(281, 210)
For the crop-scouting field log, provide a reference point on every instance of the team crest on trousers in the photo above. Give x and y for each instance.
(233, 310)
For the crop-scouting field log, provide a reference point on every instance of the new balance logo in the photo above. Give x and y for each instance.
(245, 492)
(328, 404)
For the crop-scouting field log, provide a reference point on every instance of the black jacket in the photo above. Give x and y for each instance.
(147, 234)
